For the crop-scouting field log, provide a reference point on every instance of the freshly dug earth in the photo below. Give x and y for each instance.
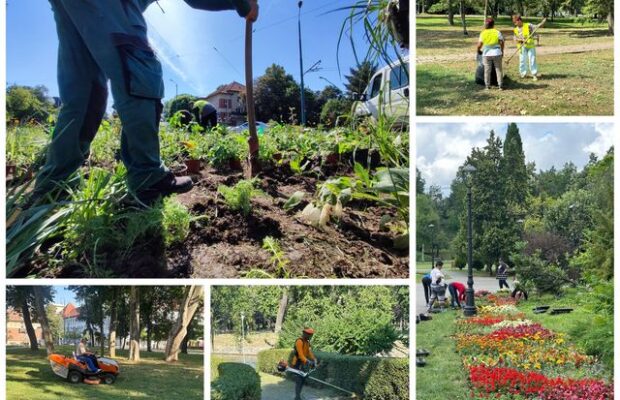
(229, 245)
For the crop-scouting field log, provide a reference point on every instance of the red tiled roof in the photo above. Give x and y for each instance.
(231, 87)
(70, 311)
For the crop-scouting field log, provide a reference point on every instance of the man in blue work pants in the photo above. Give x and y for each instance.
(101, 40)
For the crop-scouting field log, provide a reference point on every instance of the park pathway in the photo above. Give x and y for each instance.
(279, 388)
(480, 282)
(567, 49)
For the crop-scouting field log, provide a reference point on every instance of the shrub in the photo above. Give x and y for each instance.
(375, 378)
(477, 265)
(236, 381)
(459, 261)
(358, 332)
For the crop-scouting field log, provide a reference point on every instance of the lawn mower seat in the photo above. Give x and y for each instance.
(480, 73)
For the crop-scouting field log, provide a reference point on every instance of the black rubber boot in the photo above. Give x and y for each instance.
(170, 184)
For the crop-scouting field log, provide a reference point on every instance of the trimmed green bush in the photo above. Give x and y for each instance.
(374, 378)
(236, 381)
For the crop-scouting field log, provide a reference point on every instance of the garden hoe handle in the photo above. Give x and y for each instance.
(253, 166)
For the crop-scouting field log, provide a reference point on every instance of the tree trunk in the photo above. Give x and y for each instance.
(134, 324)
(184, 344)
(462, 6)
(102, 336)
(42, 317)
(486, 9)
(149, 328)
(32, 335)
(113, 321)
(610, 18)
(281, 310)
(450, 13)
(191, 303)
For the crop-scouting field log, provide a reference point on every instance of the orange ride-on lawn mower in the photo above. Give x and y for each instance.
(76, 371)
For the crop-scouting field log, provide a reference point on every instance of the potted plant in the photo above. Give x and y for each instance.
(192, 161)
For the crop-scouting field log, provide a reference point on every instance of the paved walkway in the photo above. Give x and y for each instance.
(486, 282)
(277, 388)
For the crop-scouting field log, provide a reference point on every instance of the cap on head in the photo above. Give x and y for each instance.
(308, 331)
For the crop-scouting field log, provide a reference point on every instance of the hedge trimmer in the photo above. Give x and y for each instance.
(284, 367)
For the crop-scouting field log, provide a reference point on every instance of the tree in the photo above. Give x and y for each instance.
(42, 296)
(281, 310)
(56, 323)
(178, 103)
(192, 299)
(25, 103)
(21, 298)
(116, 298)
(601, 9)
(275, 94)
(516, 175)
(495, 227)
(333, 109)
(359, 77)
(134, 323)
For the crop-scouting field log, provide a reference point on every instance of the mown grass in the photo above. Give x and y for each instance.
(443, 377)
(564, 88)
(570, 84)
(29, 376)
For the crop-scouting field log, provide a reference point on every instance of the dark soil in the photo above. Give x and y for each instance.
(228, 245)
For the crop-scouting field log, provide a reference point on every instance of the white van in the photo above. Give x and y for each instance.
(389, 87)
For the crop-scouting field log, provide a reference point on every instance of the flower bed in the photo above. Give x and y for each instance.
(507, 356)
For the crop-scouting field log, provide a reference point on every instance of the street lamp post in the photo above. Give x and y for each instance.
(301, 65)
(176, 87)
(470, 306)
(432, 226)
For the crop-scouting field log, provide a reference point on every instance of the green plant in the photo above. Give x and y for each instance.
(239, 197)
(175, 221)
(371, 377)
(236, 381)
(278, 258)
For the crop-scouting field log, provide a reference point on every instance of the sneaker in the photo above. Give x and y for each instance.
(168, 185)
(487, 88)
(501, 88)
(523, 76)
(535, 78)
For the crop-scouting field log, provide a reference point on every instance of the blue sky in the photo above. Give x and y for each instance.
(62, 295)
(442, 148)
(186, 41)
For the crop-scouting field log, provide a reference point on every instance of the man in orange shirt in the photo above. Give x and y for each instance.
(303, 358)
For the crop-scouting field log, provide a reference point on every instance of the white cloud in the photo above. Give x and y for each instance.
(442, 148)
(603, 142)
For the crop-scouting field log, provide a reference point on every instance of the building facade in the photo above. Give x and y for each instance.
(229, 101)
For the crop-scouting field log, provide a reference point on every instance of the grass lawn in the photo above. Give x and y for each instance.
(443, 376)
(29, 376)
(575, 63)
(254, 342)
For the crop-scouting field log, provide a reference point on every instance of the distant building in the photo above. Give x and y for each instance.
(16, 334)
(74, 327)
(229, 101)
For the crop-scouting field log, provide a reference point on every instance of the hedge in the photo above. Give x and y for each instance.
(372, 378)
(235, 381)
